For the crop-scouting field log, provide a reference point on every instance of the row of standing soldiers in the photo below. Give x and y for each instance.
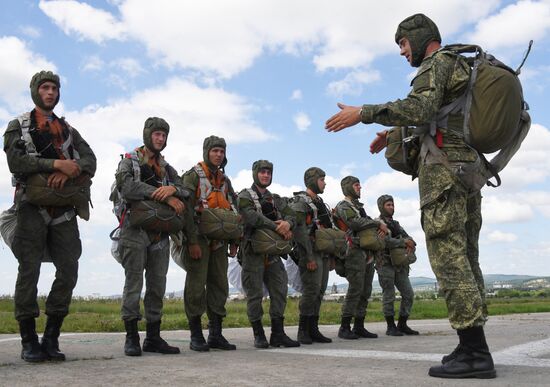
(40, 143)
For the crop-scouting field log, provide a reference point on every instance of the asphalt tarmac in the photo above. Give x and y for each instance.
(520, 345)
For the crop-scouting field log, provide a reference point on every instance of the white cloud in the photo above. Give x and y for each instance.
(513, 26)
(243, 179)
(497, 209)
(296, 95)
(499, 236)
(302, 121)
(353, 83)
(18, 71)
(93, 63)
(225, 38)
(83, 20)
(30, 31)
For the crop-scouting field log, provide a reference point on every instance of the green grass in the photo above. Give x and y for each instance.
(104, 315)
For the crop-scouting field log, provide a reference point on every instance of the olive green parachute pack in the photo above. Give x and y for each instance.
(495, 119)
(220, 224)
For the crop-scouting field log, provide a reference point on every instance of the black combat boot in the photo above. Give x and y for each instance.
(359, 329)
(403, 327)
(198, 343)
(31, 350)
(315, 334)
(131, 345)
(473, 360)
(278, 336)
(260, 341)
(215, 337)
(154, 343)
(50, 339)
(456, 351)
(303, 330)
(345, 329)
(392, 329)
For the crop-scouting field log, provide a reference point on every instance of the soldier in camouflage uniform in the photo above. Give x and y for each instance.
(358, 264)
(451, 212)
(40, 229)
(206, 286)
(311, 213)
(390, 276)
(260, 209)
(145, 250)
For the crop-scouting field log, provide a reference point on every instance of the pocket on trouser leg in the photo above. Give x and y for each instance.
(444, 215)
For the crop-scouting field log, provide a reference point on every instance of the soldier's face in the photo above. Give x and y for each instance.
(321, 184)
(216, 156)
(405, 49)
(158, 138)
(357, 188)
(264, 177)
(48, 92)
(389, 208)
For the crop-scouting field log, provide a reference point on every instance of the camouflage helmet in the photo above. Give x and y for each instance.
(420, 30)
(38, 79)
(381, 201)
(213, 142)
(311, 175)
(153, 124)
(257, 167)
(347, 187)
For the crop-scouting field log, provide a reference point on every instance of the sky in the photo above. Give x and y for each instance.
(266, 75)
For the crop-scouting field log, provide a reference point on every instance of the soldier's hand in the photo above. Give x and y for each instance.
(283, 227)
(311, 266)
(382, 230)
(379, 142)
(176, 204)
(68, 167)
(195, 251)
(57, 180)
(348, 116)
(162, 193)
(410, 245)
(287, 236)
(233, 248)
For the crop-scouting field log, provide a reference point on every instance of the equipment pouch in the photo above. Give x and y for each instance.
(154, 216)
(76, 192)
(402, 151)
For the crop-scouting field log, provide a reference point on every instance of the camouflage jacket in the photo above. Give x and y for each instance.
(255, 219)
(350, 212)
(22, 164)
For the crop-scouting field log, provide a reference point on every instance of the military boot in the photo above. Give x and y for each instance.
(303, 330)
(315, 334)
(260, 341)
(198, 343)
(31, 350)
(455, 352)
(154, 343)
(345, 329)
(215, 337)
(359, 329)
(392, 329)
(278, 336)
(131, 345)
(473, 360)
(403, 327)
(50, 339)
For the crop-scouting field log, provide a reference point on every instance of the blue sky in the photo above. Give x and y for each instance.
(266, 75)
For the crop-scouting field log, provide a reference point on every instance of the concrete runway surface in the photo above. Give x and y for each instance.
(520, 345)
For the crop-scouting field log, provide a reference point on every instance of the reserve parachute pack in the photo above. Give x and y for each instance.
(495, 114)
(368, 239)
(216, 223)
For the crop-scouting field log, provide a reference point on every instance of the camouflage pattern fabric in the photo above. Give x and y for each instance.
(451, 216)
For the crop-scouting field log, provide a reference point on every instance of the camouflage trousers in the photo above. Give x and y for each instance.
(359, 275)
(140, 255)
(32, 238)
(315, 285)
(452, 221)
(206, 287)
(390, 278)
(257, 272)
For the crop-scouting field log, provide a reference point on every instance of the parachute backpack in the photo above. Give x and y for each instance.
(495, 113)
